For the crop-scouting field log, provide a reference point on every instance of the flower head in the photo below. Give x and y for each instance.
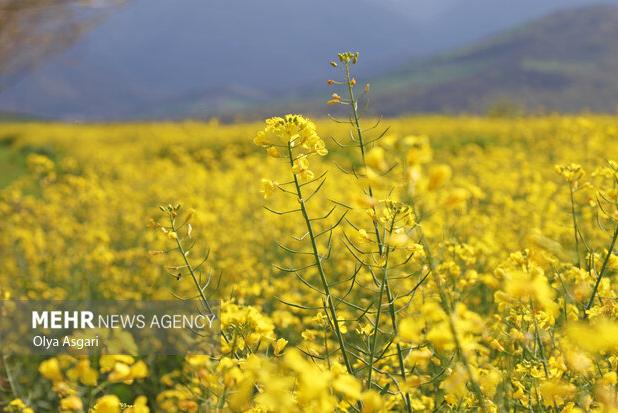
(295, 135)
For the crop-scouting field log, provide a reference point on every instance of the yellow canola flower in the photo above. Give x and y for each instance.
(18, 406)
(420, 357)
(301, 168)
(410, 329)
(556, 392)
(598, 336)
(71, 404)
(419, 151)
(83, 372)
(140, 405)
(279, 345)
(579, 362)
(40, 164)
(456, 198)
(534, 287)
(273, 152)
(121, 372)
(438, 176)
(375, 159)
(489, 381)
(65, 230)
(372, 402)
(295, 135)
(455, 385)
(348, 386)
(139, 370)
(108, 362)
(570, 172)
(17, 403)
(107, 404)
(293, 130)
(50, 369)
(268, 187)
(125, 373)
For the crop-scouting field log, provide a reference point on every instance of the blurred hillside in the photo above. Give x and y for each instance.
(191, 58)
(566, 61)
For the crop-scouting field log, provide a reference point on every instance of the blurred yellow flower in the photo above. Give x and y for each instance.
(107, 404)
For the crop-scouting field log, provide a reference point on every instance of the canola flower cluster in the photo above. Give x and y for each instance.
(445, 264)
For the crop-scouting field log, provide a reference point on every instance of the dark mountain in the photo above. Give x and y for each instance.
(567, 61)
(447, 24)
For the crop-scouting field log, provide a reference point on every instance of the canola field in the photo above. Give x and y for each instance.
(446, 264)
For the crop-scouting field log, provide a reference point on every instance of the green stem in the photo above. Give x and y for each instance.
(541, 347)
(610, 251)
(361, 145)
(318, 263)
(579, 263)
(386, 283)
(376, 327)
(9, 376)
(194, 277)
(190, 267)
(223, 397)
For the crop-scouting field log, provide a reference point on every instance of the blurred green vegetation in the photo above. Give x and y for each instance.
(12, 162)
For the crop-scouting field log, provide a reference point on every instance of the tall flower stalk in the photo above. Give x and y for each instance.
(348, 59)
(365, 148)
(294, 138)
